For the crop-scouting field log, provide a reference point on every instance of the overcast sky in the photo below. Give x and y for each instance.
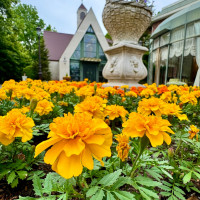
(61, 14)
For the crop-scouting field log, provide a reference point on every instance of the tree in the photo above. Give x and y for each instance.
(13, 57)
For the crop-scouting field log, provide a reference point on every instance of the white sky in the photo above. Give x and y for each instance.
(61, 14)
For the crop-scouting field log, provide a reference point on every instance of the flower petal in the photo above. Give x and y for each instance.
(95, 139)
(69, 166)
(155, 139)
(45, 144)
(166, 138)
(53, 153)
(87, 160)
(74, 147)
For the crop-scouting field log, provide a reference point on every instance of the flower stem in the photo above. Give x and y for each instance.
(144, 141)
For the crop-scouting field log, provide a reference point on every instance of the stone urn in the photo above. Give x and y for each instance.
(125, 21)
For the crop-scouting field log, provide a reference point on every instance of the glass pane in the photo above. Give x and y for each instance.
(90, 54)
(88, 38)
(156, 43)
(77, 53)
(90, 47)
(101, 54)
(189, 70)
(164, 39)
(178, 34)
(75, 71)
(90, 30)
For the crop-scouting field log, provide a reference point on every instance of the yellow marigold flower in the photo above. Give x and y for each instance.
(153, 127)
(62, 103)
(188, 98)
(3, 94)
(168, 97)
(131, 94)
(152, 105)
(13, 125)
(94, 106)
(123, 146)
(124, 87)
(193, 131)
(147, 93)
(85, 91)
(44, 107)
(173, 109)
(75, 140)
(42, 95)
(115, 111)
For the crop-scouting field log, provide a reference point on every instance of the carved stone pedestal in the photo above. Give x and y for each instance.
(125, 65)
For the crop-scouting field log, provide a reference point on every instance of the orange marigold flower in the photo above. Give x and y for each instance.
(123, 146)
(13, 125)
(44, 107)
(115, 111)
(193, 131)
(75, 140)
(153, 127)
(152, 105)
(93, 106)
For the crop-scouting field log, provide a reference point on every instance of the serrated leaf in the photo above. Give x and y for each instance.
(165, 194)
(123, 195)
(167, 184)
(92, 191)
(63, 197)
(144, 195)
(179, 195)
(22, 174)
(187, 177)
(154, 174)
(195, 189)
(110, 178)
(37, 186)
(147, 181)
(197, 174)
(48, 184)
(179, 190)
(11, 177)
(120, 182)
(149, 192)
(164, 187)
(110, 196)
(166, 167)
(14, 183)
(98, 196)
(166, 173)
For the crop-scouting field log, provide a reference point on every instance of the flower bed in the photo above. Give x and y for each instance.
(77, 140)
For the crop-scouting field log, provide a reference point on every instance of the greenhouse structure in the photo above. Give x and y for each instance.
(175, 49)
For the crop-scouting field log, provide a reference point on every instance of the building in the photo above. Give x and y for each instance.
(175, 44)
(80, 55)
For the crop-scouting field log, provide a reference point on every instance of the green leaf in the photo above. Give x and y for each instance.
(154, 174)
(167, 184)
(144, 195)
(147, 181)
(110, 178)
(179, 195)
(14, 183)
(110, 196)
(11, 177)
(123, 195)
(187, 177)
(197, 174)
(22, 174)
(165, 194)
(164, 187)
(179, 190)
(149, 192)
(195, 189)
(120, 182)
(98, 196)
(166, 173)
(37, 186)
(92, 191)
(63, 197)
(48, 184)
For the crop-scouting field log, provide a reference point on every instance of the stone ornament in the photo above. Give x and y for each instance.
(125, 21)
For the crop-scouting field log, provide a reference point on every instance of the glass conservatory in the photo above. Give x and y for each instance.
(175, 49)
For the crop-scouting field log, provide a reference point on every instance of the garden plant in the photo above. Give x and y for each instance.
(77, 140)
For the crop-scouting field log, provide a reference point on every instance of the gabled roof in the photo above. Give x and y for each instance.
(173, 8)
(82, 7)
(56, 43)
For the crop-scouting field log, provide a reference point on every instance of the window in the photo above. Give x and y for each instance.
(75, 71)
(82, 15)
(77, 53)
(90, 46)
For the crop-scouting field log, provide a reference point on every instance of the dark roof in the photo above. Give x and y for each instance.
(56, 43)
(82, 7)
